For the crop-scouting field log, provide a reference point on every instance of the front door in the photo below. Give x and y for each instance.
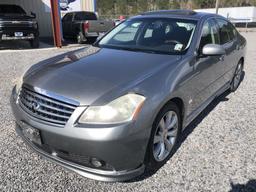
(66, 24)
(208, 69)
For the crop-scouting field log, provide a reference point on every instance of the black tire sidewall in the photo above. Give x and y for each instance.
(232, 87)
(80, 38)
(150, 161)
(35, 43)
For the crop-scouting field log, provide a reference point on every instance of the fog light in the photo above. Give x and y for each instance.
(96, 163)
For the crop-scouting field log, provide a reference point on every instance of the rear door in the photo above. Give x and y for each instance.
(100, 26)
(66, 24)
(228, 39)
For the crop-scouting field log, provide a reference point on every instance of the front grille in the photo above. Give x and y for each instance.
(45, 108)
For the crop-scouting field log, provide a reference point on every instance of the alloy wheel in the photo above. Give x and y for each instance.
(165, 136)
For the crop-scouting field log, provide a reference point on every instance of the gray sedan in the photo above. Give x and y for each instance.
(119, 107)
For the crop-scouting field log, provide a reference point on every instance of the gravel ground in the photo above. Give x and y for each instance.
(217, 153)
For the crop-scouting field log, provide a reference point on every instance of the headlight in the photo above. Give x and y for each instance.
(34, 24)
(122, 109)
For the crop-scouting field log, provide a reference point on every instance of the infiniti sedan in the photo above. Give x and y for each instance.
(110, 111)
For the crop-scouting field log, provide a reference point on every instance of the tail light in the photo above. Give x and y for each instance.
(86, 26)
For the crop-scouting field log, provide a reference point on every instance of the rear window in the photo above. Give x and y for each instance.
(11, 9)
(85, 16)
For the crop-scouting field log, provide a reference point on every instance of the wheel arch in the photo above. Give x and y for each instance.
(177, 101)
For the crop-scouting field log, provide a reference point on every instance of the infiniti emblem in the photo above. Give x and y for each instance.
(35, 106)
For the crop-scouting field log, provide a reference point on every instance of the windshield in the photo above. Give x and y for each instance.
(168, 36)
(11, 9)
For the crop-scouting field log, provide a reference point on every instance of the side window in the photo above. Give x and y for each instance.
(224, 31)
(209, 34)
(148, 33)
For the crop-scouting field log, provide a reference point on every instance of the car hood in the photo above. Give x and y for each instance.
(87, 75)
(8, 17)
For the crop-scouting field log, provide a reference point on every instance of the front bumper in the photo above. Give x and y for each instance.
(107, 176)
(120, 148)
(9, 34)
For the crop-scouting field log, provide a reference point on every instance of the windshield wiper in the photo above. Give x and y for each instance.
(135, 49)
(132, 49)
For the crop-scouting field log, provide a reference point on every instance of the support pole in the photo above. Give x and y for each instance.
(217, 6)
(56, 26)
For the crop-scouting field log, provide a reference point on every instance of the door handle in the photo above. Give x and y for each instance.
(221, 58)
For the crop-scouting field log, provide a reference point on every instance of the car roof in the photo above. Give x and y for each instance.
(81, 12)
(180, 14)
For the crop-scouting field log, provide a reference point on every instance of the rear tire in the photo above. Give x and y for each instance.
(163, 141)
(34, 43)
(80, 38)
(237, 78)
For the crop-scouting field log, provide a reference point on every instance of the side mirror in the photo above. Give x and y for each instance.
(213, 50)
(33, 14)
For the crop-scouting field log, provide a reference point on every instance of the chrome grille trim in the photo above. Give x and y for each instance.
(45, 108)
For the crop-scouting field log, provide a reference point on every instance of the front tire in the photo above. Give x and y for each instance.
(164, 136)
(237, 78)
(80, 38)
(34, 43)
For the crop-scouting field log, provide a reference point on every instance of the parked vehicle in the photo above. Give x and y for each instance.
(111, 111)
(83, 25)
(117, 21)
(15, 24)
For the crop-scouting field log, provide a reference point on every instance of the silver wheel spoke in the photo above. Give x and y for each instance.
(157, 150)
(168, 145)
(157, 139)
(165, 136)
(162, 125)
(172, 133)
(169, 117)
(173, 122)
(162, 151)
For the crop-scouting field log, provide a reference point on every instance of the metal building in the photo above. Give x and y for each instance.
(235, 14)
(48, 14)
